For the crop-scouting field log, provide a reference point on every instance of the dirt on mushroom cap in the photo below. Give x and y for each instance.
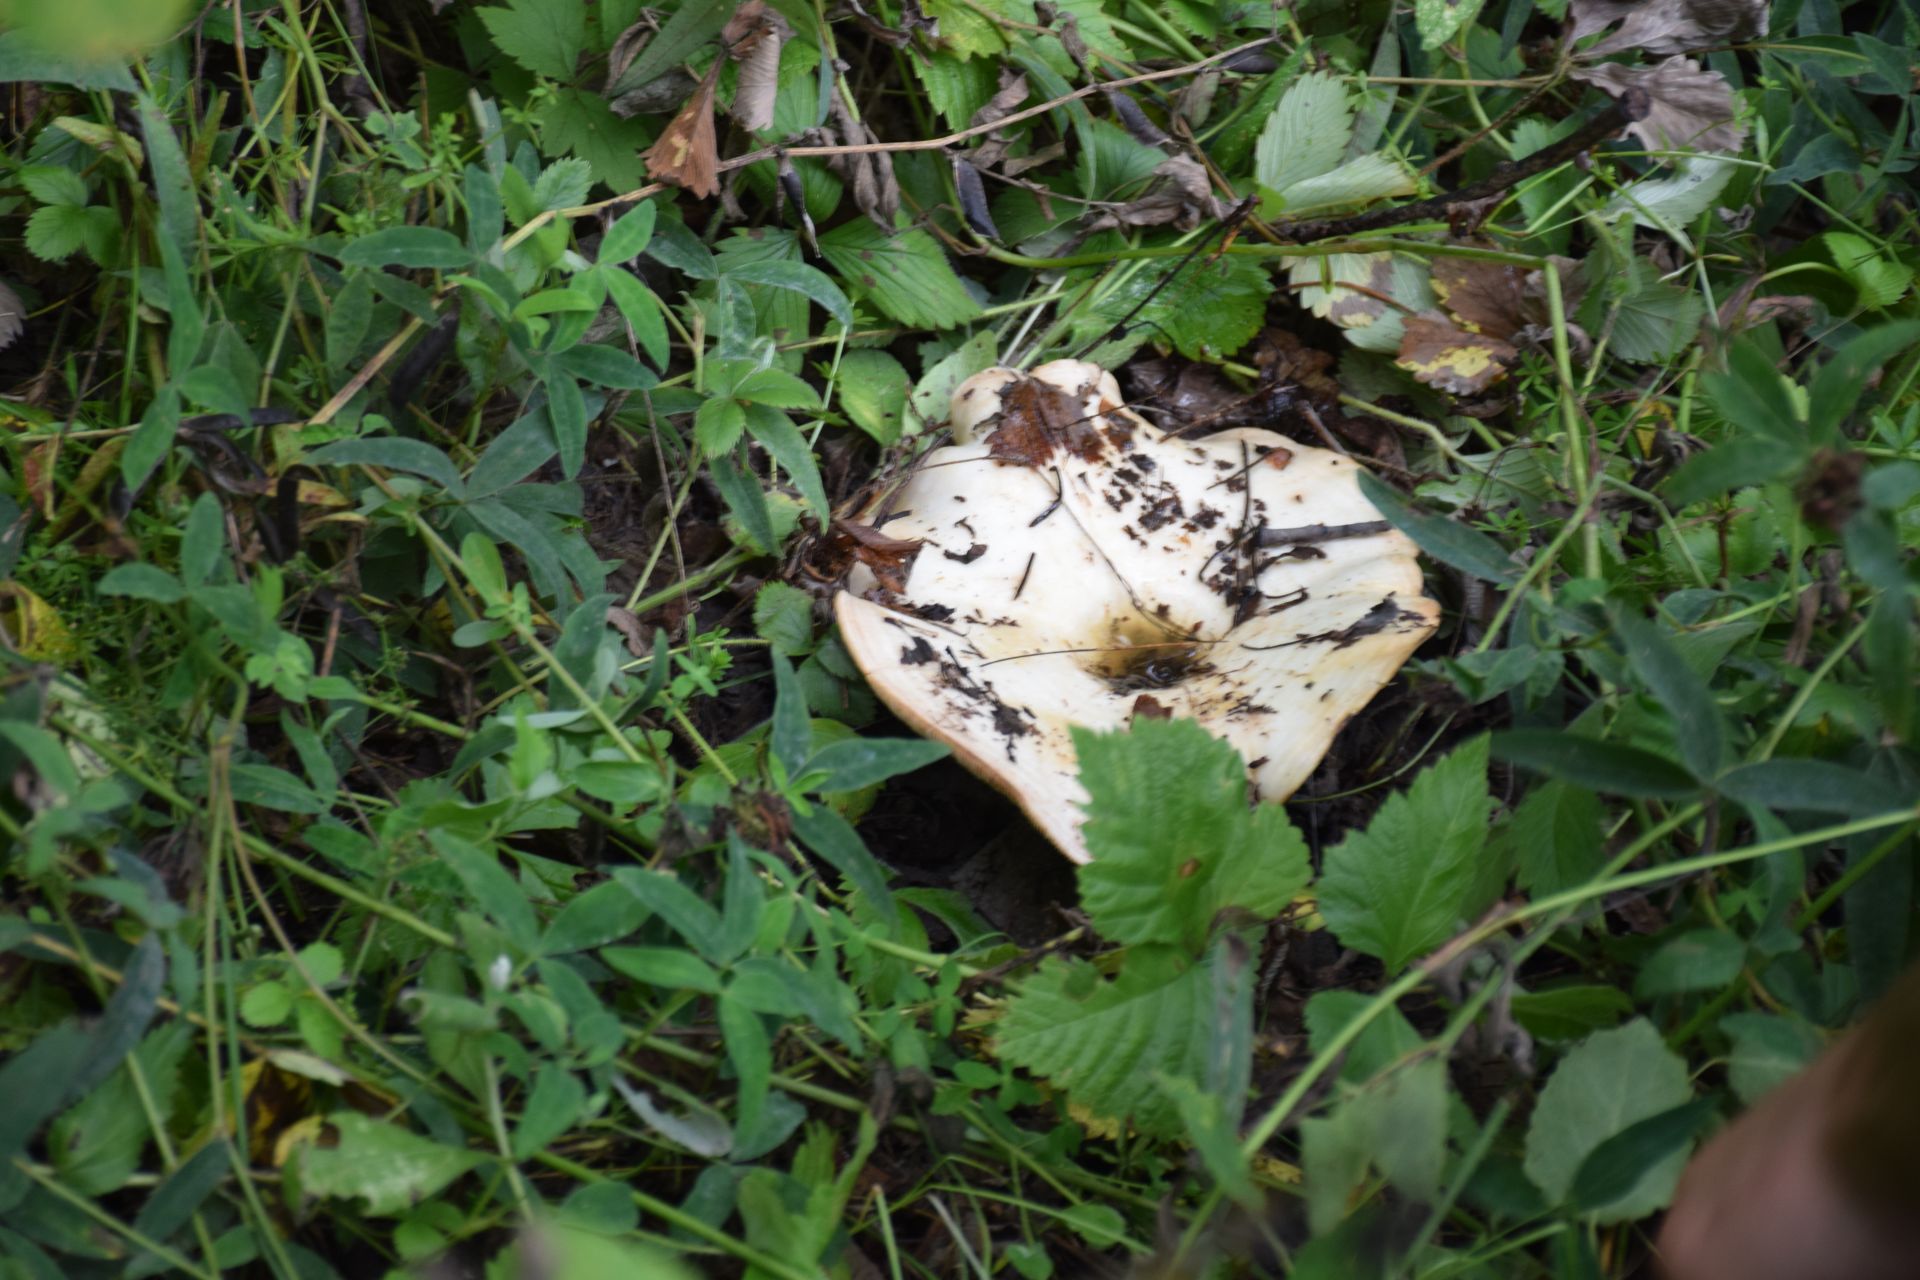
(1079, 567)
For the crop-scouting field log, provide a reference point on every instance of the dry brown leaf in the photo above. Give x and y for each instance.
(754, 36)
(1662, 27)
(973, 198)
(686, 154)
(1011, 95)
(13, 316)
(1498, 299)
(1437, 352)
(870, 174)
(1183, 196)
(1688, 106)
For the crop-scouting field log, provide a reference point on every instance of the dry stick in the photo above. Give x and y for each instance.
(1616, 116)
(1307, 534)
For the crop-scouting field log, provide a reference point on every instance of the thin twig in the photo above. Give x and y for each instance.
(1308, 534)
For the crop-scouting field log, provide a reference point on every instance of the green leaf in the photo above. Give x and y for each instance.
(24, 58)
(1740, 463)
(791, 732)
(746, 500)
(778, 388)
(349, 313)
(1810, 786)
(718, 425)
(203, 543)
(1611, 1081)
(1172, 838)
(605, 366)
(388, 1168)
(1374, 176)
(55, 231)
(1438, 20)
(602, 914)
(563, 184)
(1569, 1012)
(183, 1191)
(1697, 960)
(1398, 889)
(53, 184)
(627, 238)
(1307, 133)
(862, 762)
(1447, 541)
(1769, 1049)
(1104, 1040)
(1655, 321)
(641, 308)
(141, 582)
(266, 1004)
(274, 788)
(1398, 1125)
(406, 247)
(797, 277)
(750, 1051)
(489, 887)
(554, 1105)
(932, 397)
(544, 36)
(903, 273)
(1207, 310)
(783, 442)
(835, 842)
(396, 453)
(1842, 380)
(783, 616)
(173, 185)
(872, 388)
(1601, 766)
(666, 968)
(1699, 730)
(1617, 1165)
(1557, 833)
(1381, 1044)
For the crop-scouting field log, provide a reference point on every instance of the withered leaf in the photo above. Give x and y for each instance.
(889, 558)
(1005, 101)
(628, 624)
(1499, 299)
(1688, 106)
(1182, 196)
(1135, 121)
(13, 316)
(754, 36)
(1439, 353)
(686, 154)
(1663, 27)
(973, 198)
(875, 189)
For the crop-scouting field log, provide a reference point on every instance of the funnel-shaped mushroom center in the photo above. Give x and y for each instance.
(1078, 567)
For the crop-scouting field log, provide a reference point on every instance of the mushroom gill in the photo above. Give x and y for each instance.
(1080, 567)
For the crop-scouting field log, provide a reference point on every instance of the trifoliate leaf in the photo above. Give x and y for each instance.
(544, 36)
(1611, 1081)
(901, 272)
(1307, 133)
(1173, 841)
(1398, 889)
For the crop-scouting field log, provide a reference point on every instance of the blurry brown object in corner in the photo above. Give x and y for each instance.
(1821, 1179)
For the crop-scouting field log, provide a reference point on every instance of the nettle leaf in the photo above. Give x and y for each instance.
(903, 273)
(1206, 310)
(544, 36)
(1173, 840)
(1103, 1040)
(1610, 1082)
(1399, 889)
(387, 1167)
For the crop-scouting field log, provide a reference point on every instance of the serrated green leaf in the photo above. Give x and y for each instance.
(1172, 839)
(55, 231)
(718, 425)
(1438, 20)
(1556, 831)
(902, 272)
(783, 616)
(1397, 890)
(1103, 1040)
(1306, 134)
(53, 184)
(1699, 731)
(1374, 176)
(1655, 320)
(582, 124)
(1612, 1080)
(627, 238)
(544, 36)
(795, 277)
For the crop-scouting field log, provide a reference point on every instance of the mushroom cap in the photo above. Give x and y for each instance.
(1080, 567)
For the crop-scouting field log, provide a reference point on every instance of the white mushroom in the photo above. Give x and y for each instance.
(1081, 567)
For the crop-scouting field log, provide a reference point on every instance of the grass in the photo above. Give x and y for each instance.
(446, 835)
